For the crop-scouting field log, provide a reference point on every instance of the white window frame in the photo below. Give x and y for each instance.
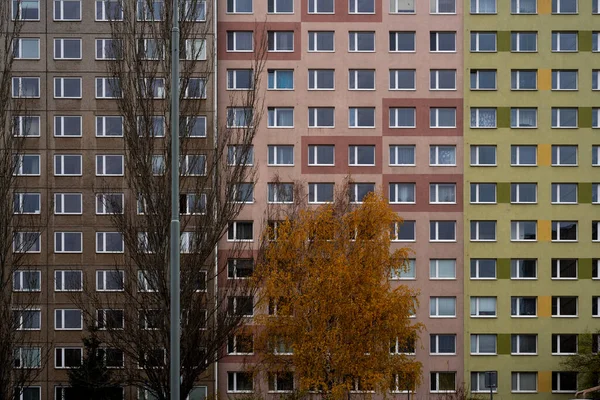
(101, 237)
(232, 78)
(515, 7)
(103, 90)
(353, 114)
(396, 4)
(475, 42)
(314, 154)
(393, 152)
(19, 12)
(517, 115)
(354, 4)
(434, 191)
(353, 41)
(437, 382)
(476, 262)
(353, 155)
(63, 357)
(36, 318)
(233, 227)
(103, 206)
(59, 199)
(517, 191)
(274, 72)
(558, 111)
(518, 228)
(558, 49)
(233, 375)
(59, 125)
(397, 226)
(556, 269)
(313, 41)
(434, 307)
(408, 274)
(394, 187)
(518, 388)
(103, 131)
(22, 125)
(434, 80)
(19, 200)
(434, 269)
(395, 81)
(517, 150)
(517, 262)
(273, 155)
(28, 357)
(60, 11)
(475, 340)
(59, 87)
(235, 7)
(477, 7)
(102, 159)
(518, 300)
(436, 117)
(517, 41)
(559, 390)
(232, 39)
(34, 247)
(476, 191)
(434, 8)
(313, 113)
(437, 159)
(276, 42)
(102, 276)
(475, 236)
(478, 113)
(558, 160)
(518, 339)
(556, 73)
(62, 312)
(21, 281)
(437, 344)
(437, 42)
(515, 83)
(558, 307)
(558, 7)
(556, 337)
(314, 186)
(60, 158)
(63, 280)
(354, 191)
(103, 47)
(558, 226)
(436, 239)
(101, 315)
(477, 377)
(61, 53)
(273, 122)
(17, 92)
(104, 12)
(475, 306)
(17, 46)
(354, 76)
(272, 8)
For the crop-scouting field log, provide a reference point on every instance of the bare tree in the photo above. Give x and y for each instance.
(216, 177)
(23, 352)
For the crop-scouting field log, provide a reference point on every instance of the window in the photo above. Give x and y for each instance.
(523, 79)
(240, 305)
(523, 268)
(483, 307)
(523, 231)
(483, 344)
(361, 79)
(522, 344)
(478, 382)
(239, 117)
(595, 306)
(281, 79)
(108, 88)
(442, 41)
(402, 79)
(483, 155)
(523, 193)
(107, 319)
(442, 307)
(596, 79)
(595, 193)
(564, 344)
(68, 242)
(483, 79)
(483, 117)
(68, 281)
(524, 381)
(26, 10)
(193, 165)
(110, 280)
(26, 126)
(442, 79)
(27, 242)
(523, 6)
(403, 41)
(402, 155)
(361, 155)
(361, 41)
(28, 357)
(240, 268)
(442, 382)
(523, 306)
(564, 6)
(27, 319)
(25, 87)
(564, 117)
(404, 232)
(523, 42)
(595, 231)
(281, 117)
(483, 193)
(240, 231)
(483, 6)
(321, 41)
(320, 6)
(442, 344)
(402, 7)
(524, 156)
(27, 281)
(195, 10)
(108, 49)
(323, 154)
(241, 193)
(68, 357)
(358, 191)
(240, 344)
(564, 41)
(319, 193)
(483, 42)
(67, 126)
(191, 127)
(407, 271)
(67, 10)
(240, 41)
(403, 345)
(281, 6)
(109, 126)
(112, 358)
(442, 117)
(595, 7)
(402, 193)
(523, 117)
(483, 268)
(26, 203)
(361, 117)
(280, 155)
(280, 192)
(109, 10)
(67, 165)
(483, 231)
(564, 382)
(442, 155)
(194, 49)
(67, 88)
(109, 242)
(564, 231)
(150, 10)
(321, 79)
(442, 231)
(442, 269)
(564, 268)
(596, 118)
(361, 6)
(239, 6)
(26, 48)
(65, 319)
(280, 41)
(564, 155)
(109, 165)
(442, 193)
(240, 382)
(194, 88)
(442, 7)
(564, 80)
(564, 306)
(67, 49)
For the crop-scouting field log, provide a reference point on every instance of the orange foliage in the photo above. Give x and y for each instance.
(329, 273)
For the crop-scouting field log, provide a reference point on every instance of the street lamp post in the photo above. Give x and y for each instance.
(175, 379)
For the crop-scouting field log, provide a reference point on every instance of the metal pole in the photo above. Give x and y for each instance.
(175, 379)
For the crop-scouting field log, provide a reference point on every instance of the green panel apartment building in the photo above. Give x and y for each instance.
(531, 191)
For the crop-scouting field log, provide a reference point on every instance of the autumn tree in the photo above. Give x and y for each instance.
(329, 314)
(23, 352)
(134, 317)
(586, 363)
